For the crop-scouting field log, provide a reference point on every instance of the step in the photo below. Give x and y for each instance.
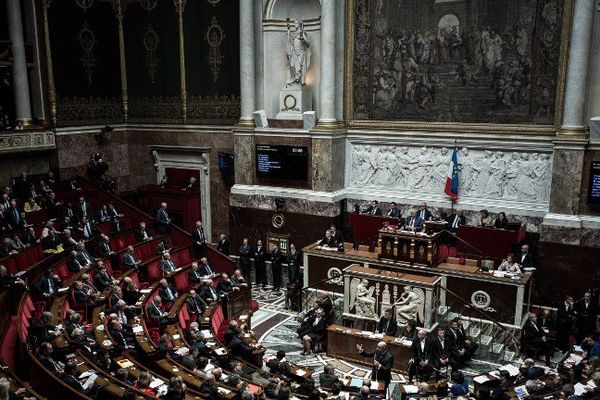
(497, 348)
(509, 356)
(474, 332)
(486, 340)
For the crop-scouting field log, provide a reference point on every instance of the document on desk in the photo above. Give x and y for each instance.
(355, 382)
(86, 374)
(156, 382)
(374, 385)
(221, 351)
(481, 379)
(90, 381)
(511, 369)
(206, 334)
(125, 363)
(145, 291)
(411, 389)
(377, 336)
(580, 388)
(300, 372)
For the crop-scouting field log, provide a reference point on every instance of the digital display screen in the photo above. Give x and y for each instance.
(282, 162)
(226, 163)
(594, 188)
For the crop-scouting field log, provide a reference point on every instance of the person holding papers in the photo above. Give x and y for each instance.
(383, 361)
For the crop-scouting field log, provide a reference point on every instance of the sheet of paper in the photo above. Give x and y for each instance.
(145, 291)
(577, 349)
(300, 372)
(511, 369)
(481, 379)
(374, 385)
(221, 351)
(411, 389)
(355, 382)
(90, 381)
(579, 389)
(86, 374)
(156, 382)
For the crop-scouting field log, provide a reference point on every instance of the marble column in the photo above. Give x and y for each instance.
(574, 112)
(247, 66)
(327, 117)
(19, 70)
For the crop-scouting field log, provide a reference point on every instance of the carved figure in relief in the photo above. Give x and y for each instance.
(362, 299)
(409, 304)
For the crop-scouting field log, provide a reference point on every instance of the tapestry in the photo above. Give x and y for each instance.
(466, 61)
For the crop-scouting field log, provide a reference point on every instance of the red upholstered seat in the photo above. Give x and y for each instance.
(11, 265)
(154, 271)
(181, 282)
(184, 257)
(62, 271)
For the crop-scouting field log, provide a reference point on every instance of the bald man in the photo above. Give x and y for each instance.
(383, 361)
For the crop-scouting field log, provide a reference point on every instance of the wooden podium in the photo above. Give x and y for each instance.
(409, 247)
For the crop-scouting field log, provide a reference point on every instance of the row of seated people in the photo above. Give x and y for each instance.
(415, 218)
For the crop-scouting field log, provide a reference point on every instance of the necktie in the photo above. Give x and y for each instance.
(50, 286)
(16, 214)
(412, 222)
(214, 294)
(88, 230)
(455, 223)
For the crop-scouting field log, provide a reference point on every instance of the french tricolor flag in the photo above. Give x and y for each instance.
(451, 188)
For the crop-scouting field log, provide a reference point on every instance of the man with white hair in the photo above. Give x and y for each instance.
(163, 221)
(383, 361)
(414, 222)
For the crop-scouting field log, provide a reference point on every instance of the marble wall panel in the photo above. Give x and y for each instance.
(566, 181)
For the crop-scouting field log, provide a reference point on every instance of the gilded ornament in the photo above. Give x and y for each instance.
(214, 36)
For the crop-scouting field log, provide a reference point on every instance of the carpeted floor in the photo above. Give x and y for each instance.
(275, 328)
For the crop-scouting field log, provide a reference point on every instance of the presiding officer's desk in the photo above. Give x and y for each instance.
(503, 298)
(342, 341)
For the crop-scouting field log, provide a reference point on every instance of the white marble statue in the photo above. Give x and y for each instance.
(362, 299)
(297, 53)
(494, 175)
(408, 305)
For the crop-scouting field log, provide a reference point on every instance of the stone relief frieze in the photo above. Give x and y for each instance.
(502, 175)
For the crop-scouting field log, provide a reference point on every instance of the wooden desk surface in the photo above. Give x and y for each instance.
(473, 270)
(423, 279)
(342, 341)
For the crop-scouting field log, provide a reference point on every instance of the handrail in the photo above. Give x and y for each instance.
(486, 315)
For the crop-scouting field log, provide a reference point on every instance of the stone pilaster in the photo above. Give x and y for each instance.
(573, 123)
(328, 161)
(327, 116)
(19, 67)
(243, 149)
(247, 63)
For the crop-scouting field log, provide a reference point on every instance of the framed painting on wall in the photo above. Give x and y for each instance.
(469, 65)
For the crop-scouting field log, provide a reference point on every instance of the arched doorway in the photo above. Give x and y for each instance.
(447, 23)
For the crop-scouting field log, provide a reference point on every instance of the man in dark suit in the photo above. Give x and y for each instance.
(223, 244)
(163, 221)
(67, 240)
(194, 304)
(155, 312)
(13, 215)
(460, 354)
(565, 322)
(42, 329)
(84, 209)
(49, 284)
(142, 233)
(260, 262)
(205, 269)
(45, 357)
(199, 240)
(167, 265)
(104, 247)
(129, 259)
(525, 258)
(276, 258)
(208, 292)
(328, 377)
(336, 235)
(424, 212)
(387, 324)
(293, 261)
(420, 361)
(413, 223)
(373, 209)
(586, 311)
(51, 242)
(455, 220)
(328, 240)
(225, 285)
(194, 275)
(382, 363)
(245, 254)
(441, 352)
(394, 211)
(88, 229)
(535, 338)
(166, 292)
(102, 279)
